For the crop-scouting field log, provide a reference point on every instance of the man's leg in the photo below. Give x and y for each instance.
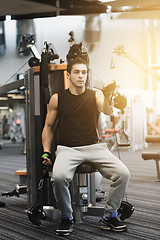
(113, 169)
(67, 159)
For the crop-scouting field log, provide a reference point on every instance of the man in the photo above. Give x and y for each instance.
(77, 110)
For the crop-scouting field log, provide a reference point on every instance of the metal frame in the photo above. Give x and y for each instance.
(11, 86)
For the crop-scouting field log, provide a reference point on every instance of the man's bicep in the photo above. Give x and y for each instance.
(51, 117)
(52, 111)
(99, 100)
(103, 103)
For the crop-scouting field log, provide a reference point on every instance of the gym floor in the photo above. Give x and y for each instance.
(143, 193)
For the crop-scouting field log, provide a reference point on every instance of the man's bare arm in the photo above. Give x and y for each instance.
(51, 117)
(104, 104)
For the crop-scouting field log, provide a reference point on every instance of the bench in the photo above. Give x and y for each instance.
(152, 155)
(22, 176)
(156, 157)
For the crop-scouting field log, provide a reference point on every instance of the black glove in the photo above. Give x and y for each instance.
(109, 88)
(120, 101)
(45, 155)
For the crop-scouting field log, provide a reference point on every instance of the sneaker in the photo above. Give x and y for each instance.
(112, 223)
(65, 227)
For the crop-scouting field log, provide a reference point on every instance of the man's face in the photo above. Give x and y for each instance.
(78, 75)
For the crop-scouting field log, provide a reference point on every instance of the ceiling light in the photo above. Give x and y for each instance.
(3, 108)
(105, 1)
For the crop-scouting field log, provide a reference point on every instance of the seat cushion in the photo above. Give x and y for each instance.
(85, 168)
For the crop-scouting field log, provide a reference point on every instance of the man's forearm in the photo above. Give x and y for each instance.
(47, 137)
(108, 104)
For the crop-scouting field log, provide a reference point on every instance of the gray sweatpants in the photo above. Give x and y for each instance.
(67, 160)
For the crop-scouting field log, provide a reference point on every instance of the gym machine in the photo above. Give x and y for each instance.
(41, 81)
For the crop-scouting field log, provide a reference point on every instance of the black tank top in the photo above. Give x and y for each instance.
(77, 119)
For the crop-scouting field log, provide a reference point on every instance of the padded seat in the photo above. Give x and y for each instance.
(85, 168)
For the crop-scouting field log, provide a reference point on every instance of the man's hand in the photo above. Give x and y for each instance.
(46, 160)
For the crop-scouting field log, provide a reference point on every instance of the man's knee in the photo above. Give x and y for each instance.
(60, 178)
(124, 174)
(121, 175)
